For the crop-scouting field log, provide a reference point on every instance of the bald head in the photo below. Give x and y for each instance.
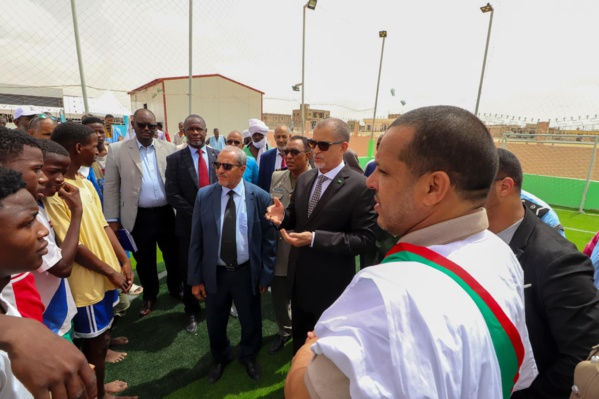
(235, 138)
(282, 136)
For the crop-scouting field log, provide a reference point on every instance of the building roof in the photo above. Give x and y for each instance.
(159, 80)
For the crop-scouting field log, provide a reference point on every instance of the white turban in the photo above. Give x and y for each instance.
(246, 133)
(257, 126)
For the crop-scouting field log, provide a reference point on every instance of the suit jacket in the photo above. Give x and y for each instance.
(280, 188)
(182, 186)
(206, 230)
(343, 221)
(122, 178)
(561, 305)
(266, 169)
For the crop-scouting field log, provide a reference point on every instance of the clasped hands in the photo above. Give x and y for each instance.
(275, 214)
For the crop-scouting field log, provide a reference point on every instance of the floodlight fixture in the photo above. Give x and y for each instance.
(487, 8)
(311, 4)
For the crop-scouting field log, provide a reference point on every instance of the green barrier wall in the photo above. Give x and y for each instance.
(562, 191)
(559, 191)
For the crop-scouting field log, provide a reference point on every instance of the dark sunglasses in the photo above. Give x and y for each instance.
(226, 166)
(323, 145)
(145, 125)
(293, 151)
(233, 142)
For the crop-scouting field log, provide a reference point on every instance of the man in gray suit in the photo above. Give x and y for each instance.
(135, 198)
(297, 157)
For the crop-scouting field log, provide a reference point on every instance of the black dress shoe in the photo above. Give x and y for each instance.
(192, 324)
(146, 308)
(253, 369)
(278, 343)
(216, 371)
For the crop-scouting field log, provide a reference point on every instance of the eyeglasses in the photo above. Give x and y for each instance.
(323, 145)
(292, 151)
(233, 142)
(226, 166)
(152, 126)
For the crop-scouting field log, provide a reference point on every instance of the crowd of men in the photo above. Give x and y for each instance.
(463, 291)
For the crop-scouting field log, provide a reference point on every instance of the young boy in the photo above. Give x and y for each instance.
(21, 250)
(51, 277)
(21, 153)
(96, 274)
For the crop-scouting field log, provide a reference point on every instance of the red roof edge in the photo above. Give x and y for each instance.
(159, 80)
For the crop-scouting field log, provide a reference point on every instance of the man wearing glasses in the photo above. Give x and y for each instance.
(332, 215)
(135, 198)
(297, 158)
(231, 258)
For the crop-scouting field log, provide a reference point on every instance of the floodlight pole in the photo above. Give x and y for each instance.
(484, 9)
(79, 57)
(382, 34)
(303, 110)
(190, 56)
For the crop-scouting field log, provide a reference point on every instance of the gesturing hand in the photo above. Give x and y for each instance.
(275, 212)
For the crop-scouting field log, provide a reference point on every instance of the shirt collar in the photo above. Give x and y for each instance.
(194, 150)
(239, 189)
(140, 145)
(333, 172)
(450, 230)
(507, 234)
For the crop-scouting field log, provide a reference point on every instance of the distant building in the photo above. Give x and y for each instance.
(380, 124)
(312, 117)
(272, 120)
(46, 99)
(224, 103)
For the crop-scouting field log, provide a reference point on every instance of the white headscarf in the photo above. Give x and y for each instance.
(257, 126)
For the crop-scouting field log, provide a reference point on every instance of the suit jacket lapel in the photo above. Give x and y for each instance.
(249, 205)
(334, 186)
(189, 165)
(160, 157)
(216, 200)
(522, 234)
(134, 152)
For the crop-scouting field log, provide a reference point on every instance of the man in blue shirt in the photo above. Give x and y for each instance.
(217, 141)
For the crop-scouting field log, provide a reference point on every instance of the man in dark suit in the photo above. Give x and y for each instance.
(332, 215)
(562, 304)
(184, 176)
(273, 160)
(231, 258)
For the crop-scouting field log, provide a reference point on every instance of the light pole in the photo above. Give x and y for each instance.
(484, 9)
(296, 87)
(311, 4)
(382, 34)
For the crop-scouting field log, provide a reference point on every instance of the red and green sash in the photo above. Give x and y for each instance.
(504, 334)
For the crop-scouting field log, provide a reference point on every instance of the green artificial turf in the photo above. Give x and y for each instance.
(579, 227)
(165, 361)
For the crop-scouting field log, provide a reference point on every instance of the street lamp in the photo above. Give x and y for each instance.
(311, 4)
(296, 87)
(382, 34)
(484, 9)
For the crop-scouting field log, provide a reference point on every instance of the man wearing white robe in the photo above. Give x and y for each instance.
(414, 328)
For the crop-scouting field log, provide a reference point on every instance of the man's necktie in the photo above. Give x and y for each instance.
(316, 194)
(283, 162)
(202, 170)
(228, 241)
